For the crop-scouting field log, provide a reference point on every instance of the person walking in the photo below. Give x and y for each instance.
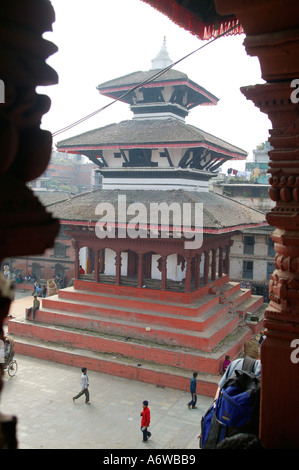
(34, 308)
(84, 387)
(193, 401)
(145, 421)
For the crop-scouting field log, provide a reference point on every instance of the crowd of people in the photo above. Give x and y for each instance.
(38, 289)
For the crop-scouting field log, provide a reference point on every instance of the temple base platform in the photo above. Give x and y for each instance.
(144, 334)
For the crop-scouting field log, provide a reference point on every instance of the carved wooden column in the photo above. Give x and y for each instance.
(226, 263)
(272, 35)
(220, 262)
(96, 265)
(118, 268)
(89, 260)
(213, 269)
(77, 260)
(164, 272)
(280, 379)
(188, 274)
(206, 267)
(140, 270)
(197, 271)
(102, 260)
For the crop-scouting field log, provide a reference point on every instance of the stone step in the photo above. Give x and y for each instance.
(180, 308)
(256, 320)
(182, 357)
(153, 294)
(238, 298)
(166, 376)
(229, 289)
(130, 359)
(185, 358)
(204, 340)
(150, 317)
(250, 305)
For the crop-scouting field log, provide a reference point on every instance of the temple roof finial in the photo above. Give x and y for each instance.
(162, 60)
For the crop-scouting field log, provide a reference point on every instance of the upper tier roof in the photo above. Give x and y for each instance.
(162, 84)
(119, 88)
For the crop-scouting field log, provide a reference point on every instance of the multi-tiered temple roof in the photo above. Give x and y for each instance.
(157, 138)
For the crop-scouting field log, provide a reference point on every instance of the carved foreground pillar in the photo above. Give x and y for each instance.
(280, 376)
(25, 226)
(272, 35)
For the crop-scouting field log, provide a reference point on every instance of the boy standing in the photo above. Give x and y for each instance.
(193, 401)
(145, 421)
(84, 386)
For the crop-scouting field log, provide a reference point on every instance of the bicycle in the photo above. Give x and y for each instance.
(11, 368)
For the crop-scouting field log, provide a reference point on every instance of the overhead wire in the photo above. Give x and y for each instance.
(149, 80)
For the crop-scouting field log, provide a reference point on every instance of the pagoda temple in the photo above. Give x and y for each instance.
(155, 302)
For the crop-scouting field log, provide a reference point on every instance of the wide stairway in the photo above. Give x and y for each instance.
(133, 333)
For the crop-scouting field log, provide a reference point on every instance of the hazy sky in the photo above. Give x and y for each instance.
(100, 40)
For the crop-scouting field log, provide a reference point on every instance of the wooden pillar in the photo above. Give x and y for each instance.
(197, 271)
(227, 253)
(89, 261)
(77, 261)
(118, 268)
(96, 265)
(220, 262)
(206, 267)
(188, 274)
(213, 270)
(102, 260)
(164, 273)
(280, 378)
(274, 39)
(140, 270)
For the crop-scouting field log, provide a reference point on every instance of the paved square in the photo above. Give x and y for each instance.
(40, 395)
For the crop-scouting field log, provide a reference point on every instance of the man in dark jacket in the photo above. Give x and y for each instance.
(193, 401)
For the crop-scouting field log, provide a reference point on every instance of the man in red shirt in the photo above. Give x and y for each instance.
(145, 421)
(81, 270)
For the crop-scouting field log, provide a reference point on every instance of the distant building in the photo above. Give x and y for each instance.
(68, 173)
(252, 252)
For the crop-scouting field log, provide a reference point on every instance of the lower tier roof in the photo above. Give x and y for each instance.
(220, 214)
